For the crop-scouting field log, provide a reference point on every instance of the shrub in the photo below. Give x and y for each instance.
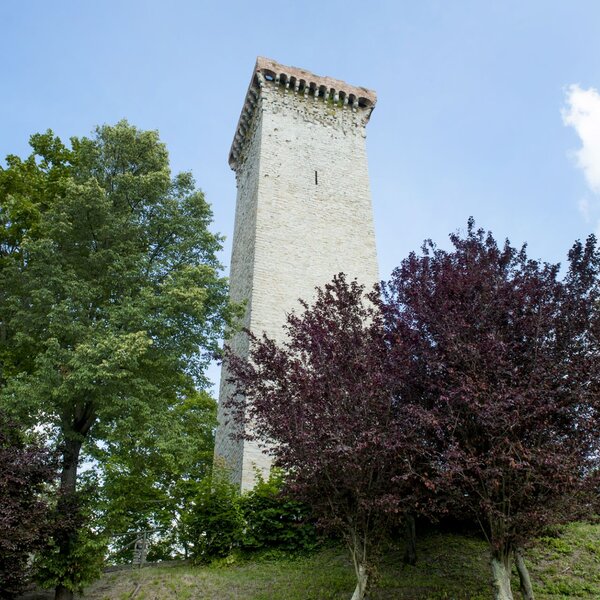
(274, 520)
(214, 525)
(266, 519)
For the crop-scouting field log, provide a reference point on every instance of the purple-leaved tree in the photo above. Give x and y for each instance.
(26, 471)
(324, 403)
(506, 360)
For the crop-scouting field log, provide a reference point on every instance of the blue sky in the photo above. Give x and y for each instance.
(476, 114)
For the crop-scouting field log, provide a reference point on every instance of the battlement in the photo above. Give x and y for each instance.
(329, 91)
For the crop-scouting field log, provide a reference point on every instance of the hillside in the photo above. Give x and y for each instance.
(450, 566)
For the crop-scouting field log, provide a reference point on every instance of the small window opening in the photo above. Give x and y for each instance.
(269, 77)
(316, 179)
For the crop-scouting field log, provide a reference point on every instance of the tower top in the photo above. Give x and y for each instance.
(300, 82)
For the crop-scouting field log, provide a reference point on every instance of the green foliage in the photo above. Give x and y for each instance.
(222, 522)
(111, 306)
(110, 287)
(74, 571)
(215, 524)
(72, 527)
(150, 480)
(274, 520)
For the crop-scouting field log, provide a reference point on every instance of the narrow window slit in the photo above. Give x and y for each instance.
(316, 179)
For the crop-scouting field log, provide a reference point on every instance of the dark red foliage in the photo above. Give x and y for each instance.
(505, 357)
(26, 469)
(324, 399)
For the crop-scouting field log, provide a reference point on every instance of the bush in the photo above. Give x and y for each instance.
(222, 521)
(83, 565)
(214, 525)
(274, 520)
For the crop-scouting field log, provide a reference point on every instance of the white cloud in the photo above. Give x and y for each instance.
(582, 112)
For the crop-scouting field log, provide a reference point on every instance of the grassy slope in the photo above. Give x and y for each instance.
(449, 566)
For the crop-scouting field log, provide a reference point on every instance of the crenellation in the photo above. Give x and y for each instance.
(331, 91)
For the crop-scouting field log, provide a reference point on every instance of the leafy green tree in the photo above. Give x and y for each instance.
(148, 482)
(111, 299)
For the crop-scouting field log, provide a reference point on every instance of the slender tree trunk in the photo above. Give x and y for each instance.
(410, 540)
(359, 548)
(501, 565)
(524, 579)
(75, 428)
(362, 579)
(68, 485)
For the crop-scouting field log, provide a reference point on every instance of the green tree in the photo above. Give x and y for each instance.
(148, 482)
(111, 299)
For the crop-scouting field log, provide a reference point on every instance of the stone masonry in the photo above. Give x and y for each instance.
(303, 211)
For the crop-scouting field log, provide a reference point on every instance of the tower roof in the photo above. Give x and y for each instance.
(269, 67)
(300, 80)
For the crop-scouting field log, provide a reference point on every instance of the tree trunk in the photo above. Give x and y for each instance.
(68, 476)
(74, 430)
(501, 565)
(65, 537)
(524, 579)
(358, 545)
(410, 549)
(62, 593)
(361, 583)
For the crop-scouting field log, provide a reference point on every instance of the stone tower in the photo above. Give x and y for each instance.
(303, 211)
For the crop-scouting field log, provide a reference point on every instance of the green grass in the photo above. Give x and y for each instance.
(568, 566)
(449, 567)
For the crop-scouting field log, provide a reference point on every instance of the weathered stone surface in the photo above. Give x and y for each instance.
(303, 211)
